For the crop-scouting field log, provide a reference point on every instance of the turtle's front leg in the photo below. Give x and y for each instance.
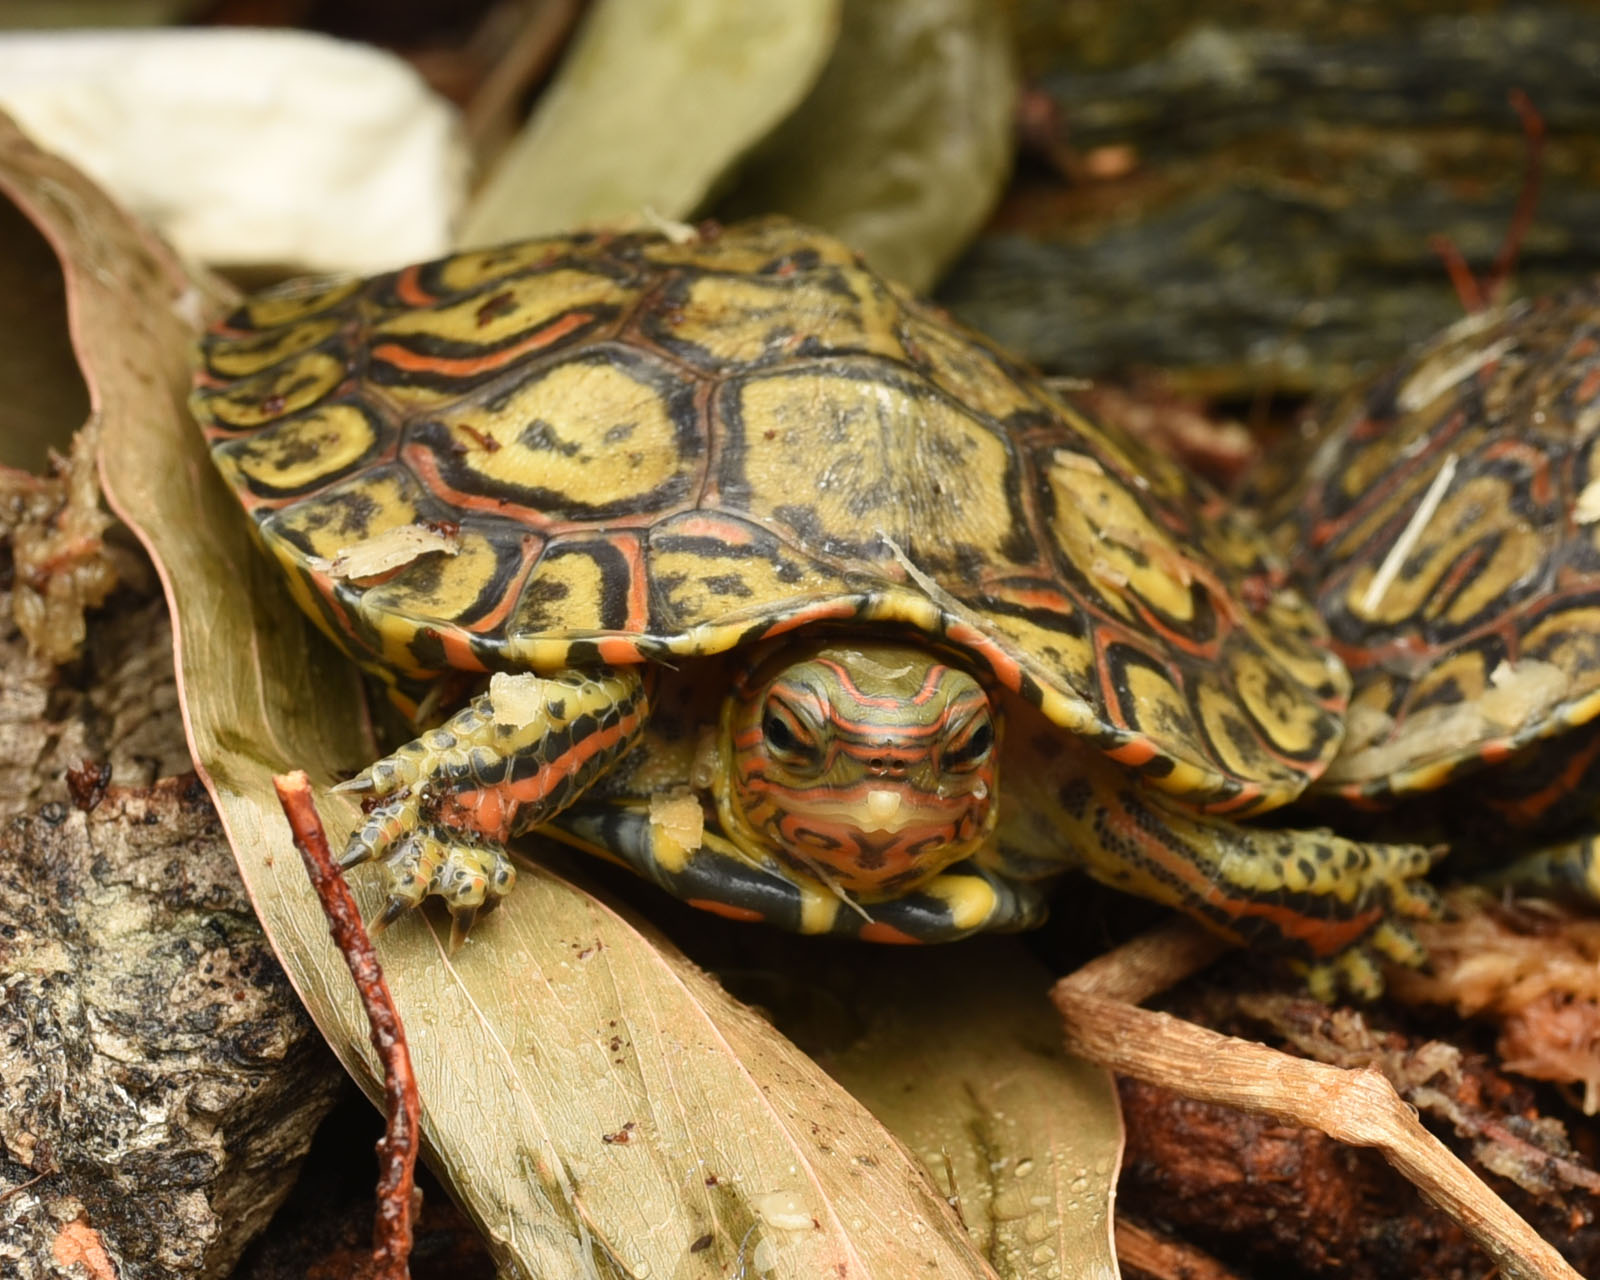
(512, 758)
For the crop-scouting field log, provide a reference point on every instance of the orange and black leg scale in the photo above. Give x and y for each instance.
(716, 875)
(512, 758)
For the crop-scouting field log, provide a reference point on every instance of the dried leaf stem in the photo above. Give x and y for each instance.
(397, 1149)
(1357, 1106)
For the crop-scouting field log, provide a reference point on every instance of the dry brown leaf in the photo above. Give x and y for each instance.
(599, 1105)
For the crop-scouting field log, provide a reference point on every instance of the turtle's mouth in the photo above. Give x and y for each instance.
(884, 839)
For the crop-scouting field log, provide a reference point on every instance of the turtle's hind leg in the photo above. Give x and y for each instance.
(512, 758)
(1333, 905)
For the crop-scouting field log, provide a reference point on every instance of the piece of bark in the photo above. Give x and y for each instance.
(158, 1080)
(117, 706)
(1274, 1197)
(1282, 172)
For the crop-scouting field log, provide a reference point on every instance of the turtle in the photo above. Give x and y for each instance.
(763, 578)
(1444, 519)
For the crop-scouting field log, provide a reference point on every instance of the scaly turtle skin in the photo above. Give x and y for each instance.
(1447, 522)
(763, 551)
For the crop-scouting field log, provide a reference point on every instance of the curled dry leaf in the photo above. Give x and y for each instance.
(600, 1106)
(961, 1060)
(904, 145)
(650, 109)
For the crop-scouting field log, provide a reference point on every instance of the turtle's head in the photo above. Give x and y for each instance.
(871, 765)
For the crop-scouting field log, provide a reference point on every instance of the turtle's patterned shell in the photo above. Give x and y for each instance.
(619, 448)
(1450, 518)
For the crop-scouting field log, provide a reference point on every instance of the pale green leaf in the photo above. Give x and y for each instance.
(904, 145)
(650, 109)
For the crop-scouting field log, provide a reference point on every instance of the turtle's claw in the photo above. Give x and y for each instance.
(355, 854)
(461, 921)
(392, 911)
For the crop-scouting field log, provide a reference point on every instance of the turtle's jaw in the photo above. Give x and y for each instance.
(879, 839)
(871, 767)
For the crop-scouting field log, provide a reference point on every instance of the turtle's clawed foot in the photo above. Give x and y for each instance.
(470, 875)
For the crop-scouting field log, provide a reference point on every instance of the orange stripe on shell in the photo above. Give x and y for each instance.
(470, 366)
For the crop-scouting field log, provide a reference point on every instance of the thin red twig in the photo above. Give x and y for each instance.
(397, 1149)
(1475, 295)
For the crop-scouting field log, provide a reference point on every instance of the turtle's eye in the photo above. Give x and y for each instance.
(790, 736)
(970, 745)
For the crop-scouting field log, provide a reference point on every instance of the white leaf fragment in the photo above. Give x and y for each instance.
(517, 698)
(1586, 510)
(385, 552)
(678, 818)
(783, 1210)
(249, 147)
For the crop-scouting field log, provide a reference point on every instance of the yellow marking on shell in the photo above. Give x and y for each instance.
(745, 320)
(1570, 640)
(1468, 520)
(359, 509)
(1098, 521)
(1291, 633)
(750, 247)
(565, 593)
(1520, 552)
(280, 391)
(887, 461)
(1157, 474)
(1291, 720)
(584, 430)
(693, 587)
(428, 591)
(1225, 729)
(1068, 657)
(1159, 707)
(960, 364)
(299, 299)
(520, 305)
(478, 266)
(970, 900)
(240, 357)
(297, 453)
(310, 601)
